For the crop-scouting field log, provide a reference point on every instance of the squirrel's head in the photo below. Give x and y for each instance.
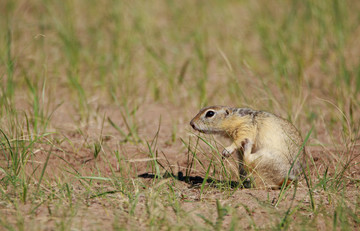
(209, 119)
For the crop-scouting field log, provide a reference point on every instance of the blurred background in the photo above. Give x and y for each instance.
(299, 59)
(118, 81)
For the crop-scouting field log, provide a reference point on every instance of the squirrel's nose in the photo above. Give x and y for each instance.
(192, 125)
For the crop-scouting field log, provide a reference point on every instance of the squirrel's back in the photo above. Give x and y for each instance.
(282, 140)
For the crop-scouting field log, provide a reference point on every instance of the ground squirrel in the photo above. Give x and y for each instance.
(271, 146)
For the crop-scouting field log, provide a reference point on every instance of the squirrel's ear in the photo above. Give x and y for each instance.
(227, 112)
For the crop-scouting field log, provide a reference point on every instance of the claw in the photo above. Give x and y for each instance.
(227, 152)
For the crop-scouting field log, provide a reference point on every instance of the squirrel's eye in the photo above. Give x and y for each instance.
(210, 114)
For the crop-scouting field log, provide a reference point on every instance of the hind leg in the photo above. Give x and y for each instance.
(263, 167)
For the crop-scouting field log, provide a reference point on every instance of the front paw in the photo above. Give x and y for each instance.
(227, 152)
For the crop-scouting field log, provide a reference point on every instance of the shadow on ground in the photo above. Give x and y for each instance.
(196, 180)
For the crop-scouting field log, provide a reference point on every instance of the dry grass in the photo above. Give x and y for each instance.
(95, 93)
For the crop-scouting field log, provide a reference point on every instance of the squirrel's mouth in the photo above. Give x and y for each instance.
(203, 131)
(206, 130)
(193, 125)
(196, 128)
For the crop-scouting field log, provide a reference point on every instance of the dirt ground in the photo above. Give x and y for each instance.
(253, 206)
(102, 68)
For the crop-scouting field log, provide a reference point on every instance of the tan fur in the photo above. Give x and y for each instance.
(270, 144)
